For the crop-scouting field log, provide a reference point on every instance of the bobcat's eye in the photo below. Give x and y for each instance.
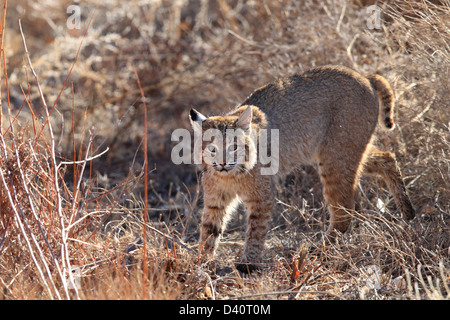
(211, 149)
(232, 148)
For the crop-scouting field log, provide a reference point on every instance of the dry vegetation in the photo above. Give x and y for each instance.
(63, 207)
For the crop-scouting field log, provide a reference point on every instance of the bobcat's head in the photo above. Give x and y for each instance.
(227, 142)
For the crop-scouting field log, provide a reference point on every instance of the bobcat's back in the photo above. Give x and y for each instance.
(323, 103)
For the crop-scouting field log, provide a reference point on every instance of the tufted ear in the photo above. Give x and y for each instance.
(245, 120)
(196, 119)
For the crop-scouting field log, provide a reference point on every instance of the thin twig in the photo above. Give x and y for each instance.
(85, 160)
(144, 268)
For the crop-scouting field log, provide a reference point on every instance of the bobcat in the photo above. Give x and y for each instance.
(326, 117)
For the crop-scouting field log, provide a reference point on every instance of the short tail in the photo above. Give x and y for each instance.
(386, 98)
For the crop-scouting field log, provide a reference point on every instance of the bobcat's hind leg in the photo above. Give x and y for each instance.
(339, 178)
(384, 164)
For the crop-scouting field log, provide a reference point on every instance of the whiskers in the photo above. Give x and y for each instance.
(242, 169)
(232, 168)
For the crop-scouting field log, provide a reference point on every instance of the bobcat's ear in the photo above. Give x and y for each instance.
(196, 119)
(245, 120)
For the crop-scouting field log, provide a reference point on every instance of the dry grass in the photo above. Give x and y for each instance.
(63, 208)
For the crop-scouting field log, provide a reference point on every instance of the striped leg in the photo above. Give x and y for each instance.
(384, 164)
(215, 216)
(258, 222)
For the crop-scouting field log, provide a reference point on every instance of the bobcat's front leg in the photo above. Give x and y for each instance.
(258, 222)
(217, 210)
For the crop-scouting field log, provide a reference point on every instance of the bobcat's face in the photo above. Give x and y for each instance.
(228, 154)
(227, 144)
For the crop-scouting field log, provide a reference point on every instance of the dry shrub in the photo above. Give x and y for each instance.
(211, 55)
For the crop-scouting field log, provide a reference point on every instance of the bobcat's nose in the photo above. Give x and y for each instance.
(223, 164)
